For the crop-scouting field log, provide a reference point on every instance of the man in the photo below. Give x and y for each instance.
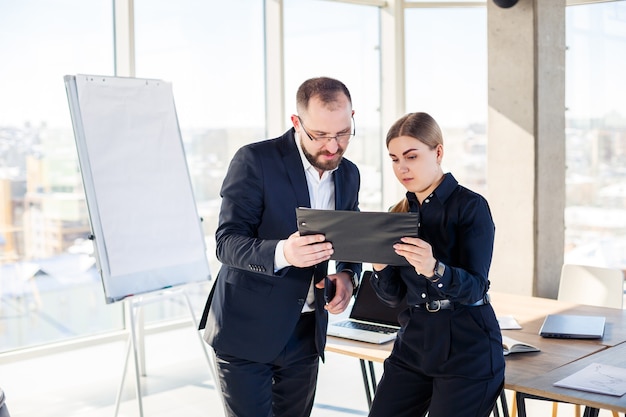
(266, 318)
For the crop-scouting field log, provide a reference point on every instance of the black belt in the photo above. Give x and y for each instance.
(436, 305)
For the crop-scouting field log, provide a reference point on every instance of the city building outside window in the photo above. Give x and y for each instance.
(50, 289)
(595, 212)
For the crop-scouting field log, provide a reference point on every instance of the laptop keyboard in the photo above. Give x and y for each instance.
(364, 326)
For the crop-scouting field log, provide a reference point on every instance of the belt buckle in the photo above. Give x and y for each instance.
(437, 303)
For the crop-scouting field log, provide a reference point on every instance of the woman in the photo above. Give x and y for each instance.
(447, 359)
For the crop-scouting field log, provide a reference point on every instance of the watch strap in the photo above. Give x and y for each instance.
(438, 271)
(353, 280)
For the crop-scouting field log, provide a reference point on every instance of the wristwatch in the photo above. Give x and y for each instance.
(353, 280)
(440, 269)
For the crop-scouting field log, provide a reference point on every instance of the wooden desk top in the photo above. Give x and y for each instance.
(542, 385)
(530, 313)
(361, 350)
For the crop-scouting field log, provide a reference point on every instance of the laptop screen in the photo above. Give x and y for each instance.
(368, 307)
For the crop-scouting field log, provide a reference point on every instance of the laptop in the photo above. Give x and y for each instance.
(370, 320)
(567, 326)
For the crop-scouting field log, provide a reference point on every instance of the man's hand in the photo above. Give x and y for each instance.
(343, 292)
(303, 251)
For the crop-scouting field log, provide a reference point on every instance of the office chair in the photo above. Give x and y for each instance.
(591, 285)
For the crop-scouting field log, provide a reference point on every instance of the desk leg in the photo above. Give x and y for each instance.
(370, 388)
(591, 412)
(521, 406)
(503, 404)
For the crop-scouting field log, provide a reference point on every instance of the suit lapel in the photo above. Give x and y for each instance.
(295, 170)
(339, 184)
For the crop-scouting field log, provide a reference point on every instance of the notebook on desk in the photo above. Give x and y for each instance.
(370, 320)
(568, 326)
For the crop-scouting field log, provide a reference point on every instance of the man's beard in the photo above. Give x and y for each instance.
(323, 165)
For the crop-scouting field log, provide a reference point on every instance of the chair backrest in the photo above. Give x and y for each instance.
(592, 285)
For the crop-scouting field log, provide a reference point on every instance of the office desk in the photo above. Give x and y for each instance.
(542, 385)
(531, 311)
(521, 368)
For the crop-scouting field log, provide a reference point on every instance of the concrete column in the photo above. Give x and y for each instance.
(526, 149)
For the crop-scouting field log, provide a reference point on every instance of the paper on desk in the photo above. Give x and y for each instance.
(599, 378)
(508, 323)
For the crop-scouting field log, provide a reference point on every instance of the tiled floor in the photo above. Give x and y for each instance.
(84, 383)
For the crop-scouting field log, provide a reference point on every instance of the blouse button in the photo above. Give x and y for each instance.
(427, 201)
(439, 285)
(423, 295)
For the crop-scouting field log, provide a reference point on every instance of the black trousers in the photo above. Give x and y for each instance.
(284, 387)
(448, 363)
(404, 393)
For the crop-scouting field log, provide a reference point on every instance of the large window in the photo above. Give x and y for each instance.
(446, 77)
(49, 288)
(595, 214)
(212, 52)
(342, 41)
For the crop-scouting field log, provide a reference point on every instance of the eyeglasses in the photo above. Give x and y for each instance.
(341, 138)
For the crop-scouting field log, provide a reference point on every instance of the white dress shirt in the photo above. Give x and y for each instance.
(322, 196)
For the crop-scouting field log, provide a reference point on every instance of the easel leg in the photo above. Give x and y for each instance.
(121, 388)
(209, 357)
(136, 325)
(136, 355)
(141, 341)
(132, 344)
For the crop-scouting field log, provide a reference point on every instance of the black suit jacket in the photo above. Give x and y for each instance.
(253, 311)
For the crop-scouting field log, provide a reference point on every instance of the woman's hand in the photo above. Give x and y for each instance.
(418, 253)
